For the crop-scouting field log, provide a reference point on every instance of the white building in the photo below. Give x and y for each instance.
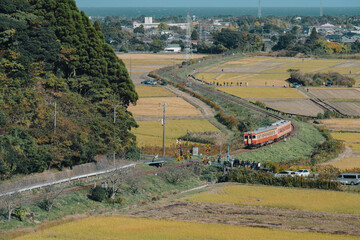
(148, 24)
(173, 48)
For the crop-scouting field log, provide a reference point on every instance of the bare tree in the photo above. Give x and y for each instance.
(116, 178)
(51, 193)
(10, 202)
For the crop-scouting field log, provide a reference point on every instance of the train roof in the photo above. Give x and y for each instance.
(264, 129)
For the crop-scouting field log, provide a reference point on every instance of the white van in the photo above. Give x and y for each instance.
(349, 178)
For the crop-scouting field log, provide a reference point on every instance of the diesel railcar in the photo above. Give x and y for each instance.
(266, 135)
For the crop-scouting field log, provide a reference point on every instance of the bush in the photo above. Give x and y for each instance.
(99, 194)
(20, 213)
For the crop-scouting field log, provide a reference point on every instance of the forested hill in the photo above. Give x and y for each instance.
(51, 53)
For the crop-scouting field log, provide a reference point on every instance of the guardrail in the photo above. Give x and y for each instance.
(68, 179)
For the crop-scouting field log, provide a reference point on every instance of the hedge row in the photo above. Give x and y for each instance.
(255, 177)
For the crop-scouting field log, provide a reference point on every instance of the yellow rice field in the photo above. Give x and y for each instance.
(263, 92)
(306, 66)
(151, 106)
(342, 124)
(279, 197)
(355, 147)
(152, 91)
(150, 132)
(206, 76)
(347, 163)
(119, 227)
(347, 137)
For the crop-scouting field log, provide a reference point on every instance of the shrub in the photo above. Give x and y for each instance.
(20, 213)
(98, 194)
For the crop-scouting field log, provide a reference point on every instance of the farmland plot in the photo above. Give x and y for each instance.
(342, 124)
(301, 107)
(152, 107)
(152, 91)
(262, 92)
(150, 132)
(130, 228)
(268, 196)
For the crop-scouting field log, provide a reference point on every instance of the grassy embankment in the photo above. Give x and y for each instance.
(136, 190)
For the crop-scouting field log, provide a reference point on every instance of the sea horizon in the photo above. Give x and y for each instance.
(216, 11)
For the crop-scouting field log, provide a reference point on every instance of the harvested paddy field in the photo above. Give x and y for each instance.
(150, 132)
(262, 92)
(301, 107)
(342, 124)
(268, 72)
(300, 210)
(334, 93)
(348, 163)
(120, 227)
(152, 91)
(151, 106)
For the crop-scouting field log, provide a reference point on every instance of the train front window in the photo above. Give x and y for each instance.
(253, 136)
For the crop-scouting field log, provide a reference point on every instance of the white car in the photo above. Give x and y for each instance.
(302, 173)
(285, 174)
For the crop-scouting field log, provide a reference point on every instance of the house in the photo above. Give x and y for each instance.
(173, 48)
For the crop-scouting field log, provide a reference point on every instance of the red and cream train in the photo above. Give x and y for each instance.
(266, 135)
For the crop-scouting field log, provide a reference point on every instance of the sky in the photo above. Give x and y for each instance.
(216, 3)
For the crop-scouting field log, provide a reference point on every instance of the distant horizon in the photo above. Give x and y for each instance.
(213, 3)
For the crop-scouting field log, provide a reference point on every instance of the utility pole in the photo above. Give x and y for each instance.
(187, 143)
(115, 106)
(55, 118)
(163, 122)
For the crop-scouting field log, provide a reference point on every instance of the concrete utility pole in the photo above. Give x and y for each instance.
(163, 122)
(187, 143)
(115, 106)
(55, 118)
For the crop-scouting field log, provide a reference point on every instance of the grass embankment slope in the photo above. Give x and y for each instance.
(113, 227)
(285, 198)
(135, 189)
(299, 146)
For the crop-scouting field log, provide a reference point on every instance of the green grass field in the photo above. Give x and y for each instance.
(119, 227)
(150, 132)
(279, 197)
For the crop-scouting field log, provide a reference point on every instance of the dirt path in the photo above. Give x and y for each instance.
(206, 111)
(250, 216)
(346, 154)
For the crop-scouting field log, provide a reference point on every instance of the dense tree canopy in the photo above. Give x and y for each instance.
(50, 52)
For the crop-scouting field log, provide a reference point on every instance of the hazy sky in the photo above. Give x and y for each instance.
(216, 3)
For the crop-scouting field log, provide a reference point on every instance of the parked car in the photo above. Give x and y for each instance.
(147, 82)
(285, 174)
(302, 173)
(349, 178)
(267, 170)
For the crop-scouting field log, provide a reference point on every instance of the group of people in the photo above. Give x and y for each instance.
(247, 164)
